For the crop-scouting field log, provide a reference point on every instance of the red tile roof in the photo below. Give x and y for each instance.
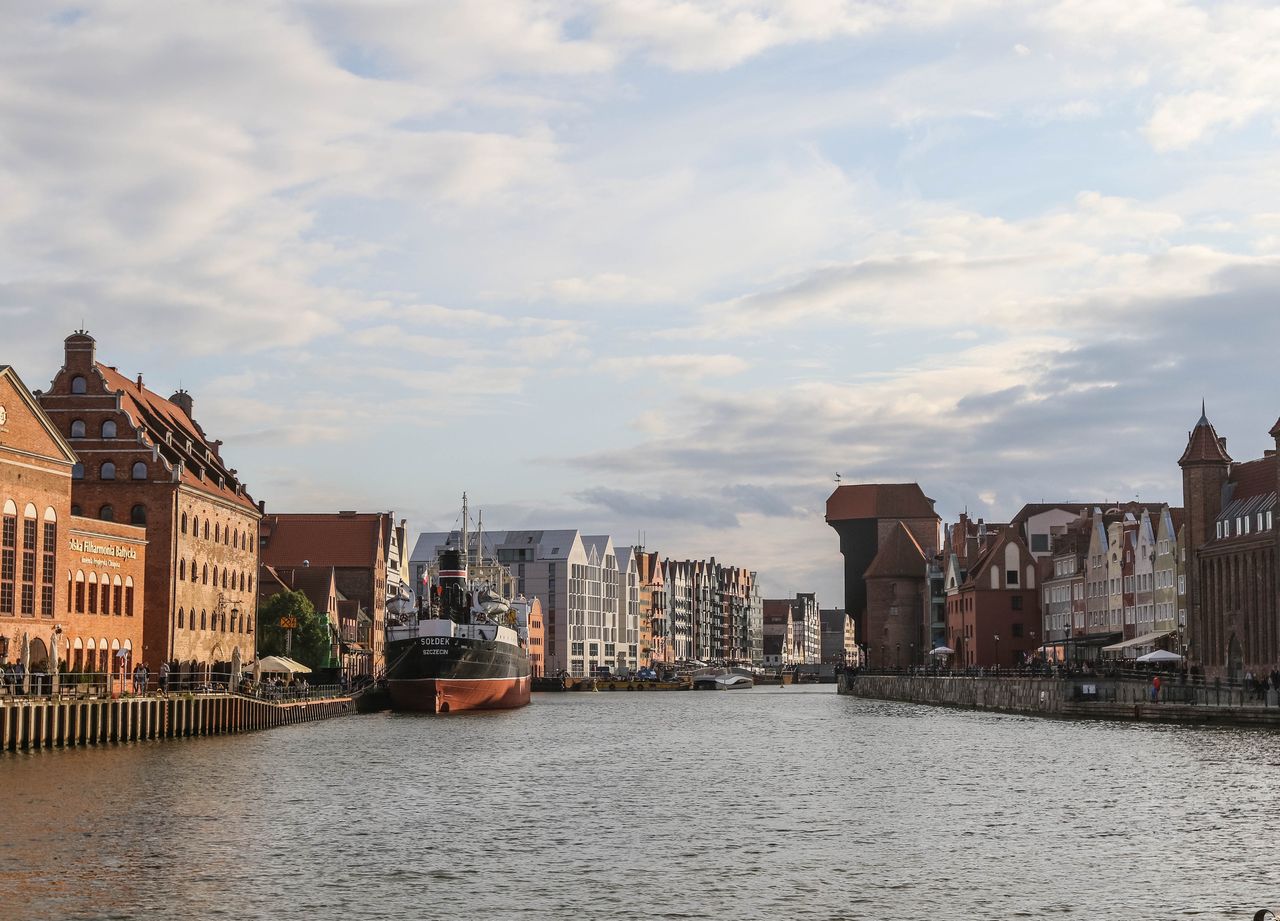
(899, 557)
(879, 500)
(157, 416)
(333, 539)
(1254, 478)
(1203, 446)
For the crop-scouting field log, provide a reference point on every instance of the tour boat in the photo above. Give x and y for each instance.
(463, 649)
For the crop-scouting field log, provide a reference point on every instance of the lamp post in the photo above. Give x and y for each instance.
(997, 650)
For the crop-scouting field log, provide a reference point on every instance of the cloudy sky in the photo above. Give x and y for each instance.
(659, 266)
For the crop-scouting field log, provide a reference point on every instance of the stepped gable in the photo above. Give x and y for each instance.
(879, 500)
(1204, 446)
(899, 557)
(339, 540)
(158, 417)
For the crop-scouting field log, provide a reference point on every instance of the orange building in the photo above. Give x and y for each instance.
(67, 583)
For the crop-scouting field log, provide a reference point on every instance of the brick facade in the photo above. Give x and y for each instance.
(146, 461)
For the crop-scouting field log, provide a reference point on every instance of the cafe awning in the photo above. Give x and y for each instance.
(1147, 639)
(280, 665)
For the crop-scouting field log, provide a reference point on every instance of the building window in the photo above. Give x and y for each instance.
(77, 428)
(217, 533)
(107, 513)
(108, 429)
(116, 589)
(48, 558)
(108, 471)
(78, 384)
(75, 509)
(138, 515)
(77, 471)
(1039, 543)
(29, 562)
(93, 593)
(204, 574)
(195, 573)
(181, 619)
(128, 596)
(139, 471)
(182, 570)
(79, 592)
(1017, 629)
(184, 522)
(1011, 577)
(8, 558)
(204, 620)
(206, 529)
(106, 597)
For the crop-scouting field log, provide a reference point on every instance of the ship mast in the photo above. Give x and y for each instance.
(464, 532)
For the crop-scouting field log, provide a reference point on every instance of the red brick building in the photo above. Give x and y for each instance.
(66, 582)
(993, 615)
(897, 592)
(144, 460)
(355, 544)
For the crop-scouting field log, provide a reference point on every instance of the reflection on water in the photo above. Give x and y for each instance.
(771, 803)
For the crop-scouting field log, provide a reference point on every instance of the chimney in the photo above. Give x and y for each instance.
(262, 506)
(1222, 442)
(216, 445)
(183, 401)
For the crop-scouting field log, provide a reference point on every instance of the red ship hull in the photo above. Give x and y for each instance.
(451, 695)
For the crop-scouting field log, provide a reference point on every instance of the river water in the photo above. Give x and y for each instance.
(770, 803)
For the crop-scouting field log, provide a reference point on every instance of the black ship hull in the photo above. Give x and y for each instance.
(442, 674)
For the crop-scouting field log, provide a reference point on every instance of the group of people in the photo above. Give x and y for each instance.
(1262, 682)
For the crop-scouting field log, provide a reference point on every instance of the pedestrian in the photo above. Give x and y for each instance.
(1155, 689)
(164, 677)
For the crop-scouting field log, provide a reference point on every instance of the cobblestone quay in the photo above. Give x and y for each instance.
(1076, 697)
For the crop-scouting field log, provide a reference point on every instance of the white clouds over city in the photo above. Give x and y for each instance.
(682, 260)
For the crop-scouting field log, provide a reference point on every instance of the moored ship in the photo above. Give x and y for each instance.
(464, 648)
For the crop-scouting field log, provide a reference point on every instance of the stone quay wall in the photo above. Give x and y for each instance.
(1077, 697)
(30, 724)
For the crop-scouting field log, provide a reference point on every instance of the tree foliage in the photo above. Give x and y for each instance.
(312, 645)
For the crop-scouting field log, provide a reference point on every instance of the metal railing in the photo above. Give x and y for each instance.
(90, 685)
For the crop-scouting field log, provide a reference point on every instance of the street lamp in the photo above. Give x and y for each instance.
(997, 650)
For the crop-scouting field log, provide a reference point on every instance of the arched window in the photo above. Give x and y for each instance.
(138, 514)
(77, 428)
(70, 590)
(108, 429)
(77, 471)
(204, 620)
(195, 525)
(108, 471)
(106, 596)
(235, 617)
(248, 625)
(184, 522)
(217, 532)
(194, 572)
(204, 575)
(206, 529)
(251, 583)
(139, 471)
(80, 591)
(128, 596)
(75, 510)
(224, 578)
(182, 571)
(93, 593)
(107, 513)
(123, 603)
(181, 619)
(215, 577)
(78, 384)
(242, 582)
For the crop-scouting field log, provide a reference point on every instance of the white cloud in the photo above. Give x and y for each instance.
(679, 367)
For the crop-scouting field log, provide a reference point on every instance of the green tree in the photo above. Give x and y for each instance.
(312, 645)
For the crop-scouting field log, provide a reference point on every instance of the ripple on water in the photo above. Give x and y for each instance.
(762, 804)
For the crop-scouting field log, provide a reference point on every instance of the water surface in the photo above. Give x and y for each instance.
(771, 803)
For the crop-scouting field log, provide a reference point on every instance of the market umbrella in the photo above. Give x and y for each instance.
(1160, 655)
(942, 651)
(53, 663)
(280, 665)
(26, 664)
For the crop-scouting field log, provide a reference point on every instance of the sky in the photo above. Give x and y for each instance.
(658, 268)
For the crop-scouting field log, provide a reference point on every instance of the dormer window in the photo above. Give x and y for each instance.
(77, 428)
(108, 429)
(78, 384)
(1219, 529)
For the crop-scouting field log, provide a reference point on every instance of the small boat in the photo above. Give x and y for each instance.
(730, 682)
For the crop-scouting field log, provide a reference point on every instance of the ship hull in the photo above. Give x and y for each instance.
(448, 675)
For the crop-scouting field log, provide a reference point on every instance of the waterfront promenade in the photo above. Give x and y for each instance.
(1076, 696)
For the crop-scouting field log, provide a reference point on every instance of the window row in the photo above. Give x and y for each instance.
(89, 595)
(139, 471)
(80, 430)
(220, 534)
(20, 562)
(230, 580)
(218, 621)
(137, 514)
(1245, 524)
